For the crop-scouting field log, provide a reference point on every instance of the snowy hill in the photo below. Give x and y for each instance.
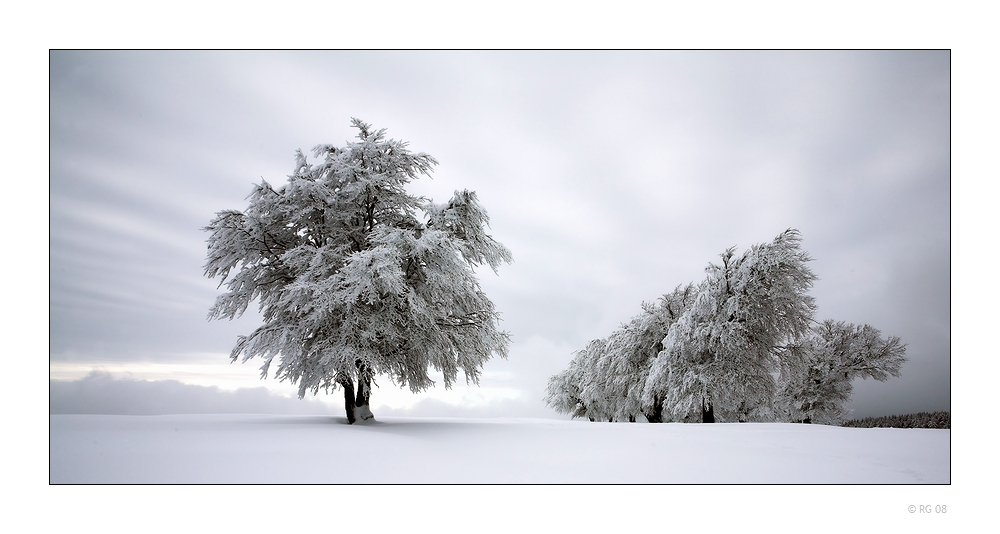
(323, 449)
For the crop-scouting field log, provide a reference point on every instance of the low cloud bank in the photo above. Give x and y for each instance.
(101, 393)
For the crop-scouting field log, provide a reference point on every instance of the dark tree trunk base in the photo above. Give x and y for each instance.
(656, 416)
(356, 401)
(349, 400)
(707, 415)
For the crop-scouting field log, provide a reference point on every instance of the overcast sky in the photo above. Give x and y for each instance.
(611, 176)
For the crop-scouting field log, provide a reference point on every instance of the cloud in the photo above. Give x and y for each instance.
(100, 393)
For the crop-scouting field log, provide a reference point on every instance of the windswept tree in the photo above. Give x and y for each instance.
(835, 353)
(605, 381)
(356, 278)
(721, 356)
(616, 377)
(565, 392)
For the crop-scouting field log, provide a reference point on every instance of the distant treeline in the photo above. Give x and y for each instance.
(913, 420)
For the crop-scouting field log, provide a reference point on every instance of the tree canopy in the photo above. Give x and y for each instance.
(356, 278)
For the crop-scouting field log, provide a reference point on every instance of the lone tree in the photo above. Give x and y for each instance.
(350, 282)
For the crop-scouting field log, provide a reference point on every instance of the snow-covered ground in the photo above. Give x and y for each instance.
(324, 449)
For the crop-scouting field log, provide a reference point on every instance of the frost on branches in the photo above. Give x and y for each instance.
(742, 345)
(836, 353)
(605, 381)
(351, 283)
(721, 356)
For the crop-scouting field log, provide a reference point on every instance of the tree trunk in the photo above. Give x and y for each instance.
(348, 386)
(356, 402)
(362, 410)
(707, 415)
(656, 416)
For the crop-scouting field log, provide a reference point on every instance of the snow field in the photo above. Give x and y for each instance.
(324, 449)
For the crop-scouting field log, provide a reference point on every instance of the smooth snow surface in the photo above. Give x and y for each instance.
(323, 449)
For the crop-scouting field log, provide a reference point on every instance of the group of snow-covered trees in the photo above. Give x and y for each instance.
(742, 345)
(351, 283)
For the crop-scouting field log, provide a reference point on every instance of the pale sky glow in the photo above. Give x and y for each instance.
(612, 177)
(209, 372)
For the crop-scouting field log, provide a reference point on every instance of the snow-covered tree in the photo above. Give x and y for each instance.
(721, 356)
(351, 283)
(565, 390)
(835, 353)
(605, 381)
(614, 381)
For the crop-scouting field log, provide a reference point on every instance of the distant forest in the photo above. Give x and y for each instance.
(913, 420)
